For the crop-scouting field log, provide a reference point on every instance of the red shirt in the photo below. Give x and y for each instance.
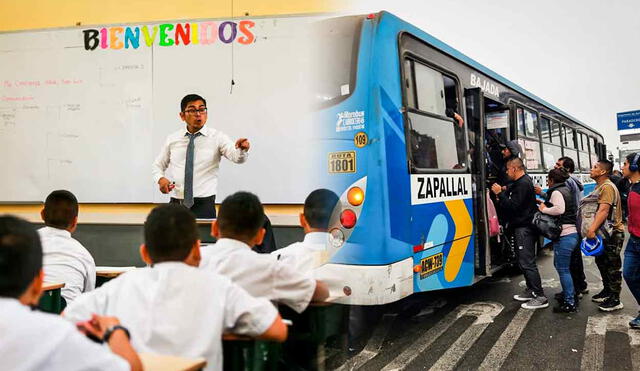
(633, 202)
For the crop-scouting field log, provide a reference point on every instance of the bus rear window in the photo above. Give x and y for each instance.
(334, 59)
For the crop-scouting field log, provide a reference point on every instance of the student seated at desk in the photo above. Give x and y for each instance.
(238, 228)
(308, 254)
(172, 307)
(65, 259)
(31, 340)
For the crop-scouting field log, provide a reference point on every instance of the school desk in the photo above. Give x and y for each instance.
(158, 362)
(51, 300)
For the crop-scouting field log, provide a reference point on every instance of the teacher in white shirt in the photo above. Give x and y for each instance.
(188, 163)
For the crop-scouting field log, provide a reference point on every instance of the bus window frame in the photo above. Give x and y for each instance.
(582, 135)
(543, 143)
(515, 104)
(559, 123)
(593, 145)
(408, 54)
(564, 134)
(544, 116)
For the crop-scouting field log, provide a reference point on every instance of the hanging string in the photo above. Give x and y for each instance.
(232, 58)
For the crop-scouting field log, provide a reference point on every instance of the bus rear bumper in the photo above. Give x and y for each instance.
(368, 284)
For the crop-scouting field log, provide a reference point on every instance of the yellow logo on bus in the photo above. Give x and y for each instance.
(464, 228)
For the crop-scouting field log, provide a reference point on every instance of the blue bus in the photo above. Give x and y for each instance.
(412, 176)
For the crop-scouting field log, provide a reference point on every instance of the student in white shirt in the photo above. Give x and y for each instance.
(238, 228)
(31, 340)
(65, 259)
(172, 307)
(196, 189)
(311, 252)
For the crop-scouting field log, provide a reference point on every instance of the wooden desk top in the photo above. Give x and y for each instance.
(284, 215)
(47, 286)
(112, 272)
(234, 337)
(158, 362)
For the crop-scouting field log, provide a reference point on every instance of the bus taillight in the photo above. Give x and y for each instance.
(355, 196)
(336, 237)
(348, 218)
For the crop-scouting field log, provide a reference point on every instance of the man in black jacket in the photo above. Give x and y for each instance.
(509, 151)
(518, 204)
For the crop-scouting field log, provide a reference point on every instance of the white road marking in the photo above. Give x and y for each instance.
(373, 345)
(503, 347)
(593, 351)
(634, 342)
(484, 312)
(597, 327)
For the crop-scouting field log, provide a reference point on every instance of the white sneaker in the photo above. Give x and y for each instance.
(536, 303)
(526, 295)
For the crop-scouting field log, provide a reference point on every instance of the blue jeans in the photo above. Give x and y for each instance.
(631, 271)
(562, 250)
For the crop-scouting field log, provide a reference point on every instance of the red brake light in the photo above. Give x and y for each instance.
(371, 16)
(348, 218)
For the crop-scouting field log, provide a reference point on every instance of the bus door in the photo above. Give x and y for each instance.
(488, 125)
(475, 126)
(441, 209)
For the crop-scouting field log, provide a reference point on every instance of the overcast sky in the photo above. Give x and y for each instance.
(583, 56)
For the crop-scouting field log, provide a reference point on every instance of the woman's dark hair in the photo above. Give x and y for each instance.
(558, 176)
(20, 256)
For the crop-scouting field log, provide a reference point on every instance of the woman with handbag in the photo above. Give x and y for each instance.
(560, 202)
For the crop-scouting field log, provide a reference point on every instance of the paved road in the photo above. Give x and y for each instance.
(482, 327)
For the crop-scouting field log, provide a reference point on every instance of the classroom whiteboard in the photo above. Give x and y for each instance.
(93, 121)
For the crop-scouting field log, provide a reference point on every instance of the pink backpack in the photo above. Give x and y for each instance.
(494, 224)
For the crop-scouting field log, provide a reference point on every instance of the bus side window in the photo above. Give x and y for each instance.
(551, 149)
(569, 148)
(434, 118)
(529, 138)
(593, 150)
(520, 119)
(583, 154)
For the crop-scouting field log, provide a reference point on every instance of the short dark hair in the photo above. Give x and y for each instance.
(631, 157)
(567, 163)
(558, 175)
(241, 216)
(190, 98)
(20, 256)
(170, 232)
(517, 162)
(60, 208)
(318, 208)
(606, 165)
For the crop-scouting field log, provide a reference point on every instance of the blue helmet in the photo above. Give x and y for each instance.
(592, 247)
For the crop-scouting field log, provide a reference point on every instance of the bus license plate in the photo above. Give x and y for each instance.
(430, 265)
(342, 162)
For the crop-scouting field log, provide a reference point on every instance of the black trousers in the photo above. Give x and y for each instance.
(203, 207)
(526, 254)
